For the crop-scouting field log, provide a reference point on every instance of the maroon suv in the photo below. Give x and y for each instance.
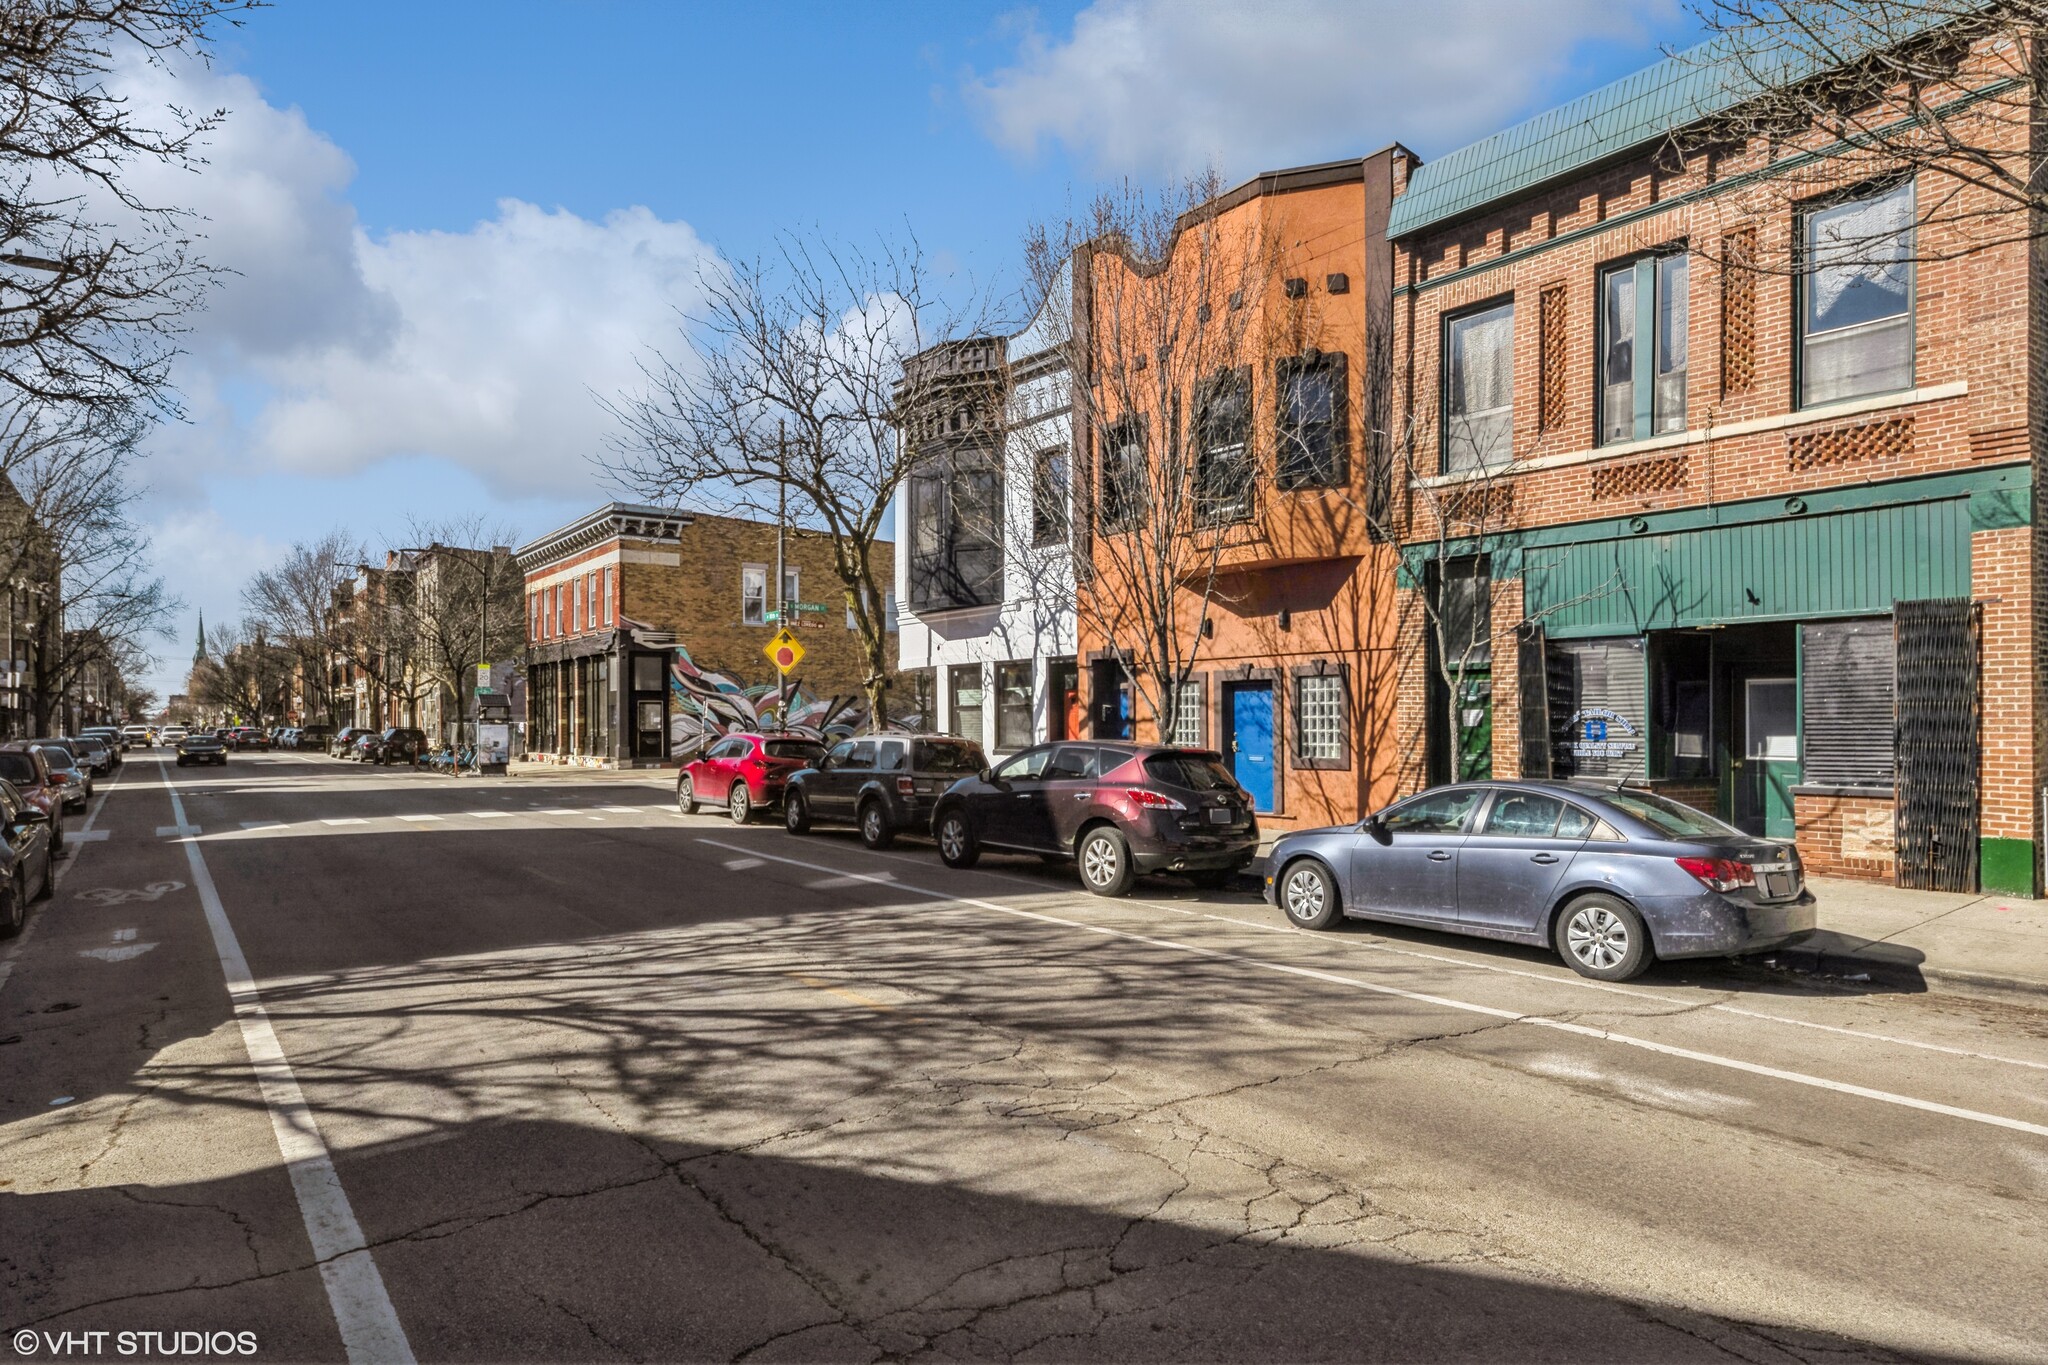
(24, 766)
(1118, 810)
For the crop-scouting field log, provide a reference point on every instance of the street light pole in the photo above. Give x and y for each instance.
(781, 575)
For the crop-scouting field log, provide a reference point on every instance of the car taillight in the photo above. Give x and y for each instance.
(1720, 874)
(906, 786)
(1151, 800)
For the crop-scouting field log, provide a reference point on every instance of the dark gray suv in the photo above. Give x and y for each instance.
(882, 784)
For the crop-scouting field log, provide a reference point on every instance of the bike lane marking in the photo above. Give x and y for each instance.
(369, 1326)
(1443, 1002)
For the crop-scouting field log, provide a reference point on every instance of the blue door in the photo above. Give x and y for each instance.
(1250, 751)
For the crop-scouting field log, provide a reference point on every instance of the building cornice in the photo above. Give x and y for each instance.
(613, 521)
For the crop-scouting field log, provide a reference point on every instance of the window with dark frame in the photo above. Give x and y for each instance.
(1013, 704)
(1643, 316)
(1479, 389)
(1319, 729)
(1224, 471)
(1856, 297)
(1051, 495)
(965, 683)
(956, 550)
(754, 594)
(1121, 497)
(1312, 414)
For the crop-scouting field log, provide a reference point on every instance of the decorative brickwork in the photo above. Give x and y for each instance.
(1640, 478)
(1738, 312)
(1556, 357)
(1849, 445)
(2000, 445)
(1487, 506)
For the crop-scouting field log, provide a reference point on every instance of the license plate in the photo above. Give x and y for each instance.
(1777, 884)
(1219, 816)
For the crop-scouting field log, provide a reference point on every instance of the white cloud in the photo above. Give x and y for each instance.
(329, 350)
(1149, 87)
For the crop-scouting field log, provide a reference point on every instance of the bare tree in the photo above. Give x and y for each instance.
(82, 591)
(1170, 313)
(783, 400)
(1822, 94)
(295, 601)
(93, 279)
(246, 676)
(465, 605)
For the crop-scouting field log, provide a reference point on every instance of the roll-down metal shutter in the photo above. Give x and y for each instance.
(1846, 703)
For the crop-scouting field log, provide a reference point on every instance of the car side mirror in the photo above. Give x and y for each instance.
(31, 816)
(987, 775)
(1377, 828)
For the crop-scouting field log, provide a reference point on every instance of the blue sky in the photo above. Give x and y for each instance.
(452, 221)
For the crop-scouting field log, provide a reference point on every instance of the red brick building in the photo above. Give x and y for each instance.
(1708, 498)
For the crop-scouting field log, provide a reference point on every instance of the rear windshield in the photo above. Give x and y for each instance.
(931, 756)
(1669, 818)
(1189, 770)
(18, 768)
(802, 750)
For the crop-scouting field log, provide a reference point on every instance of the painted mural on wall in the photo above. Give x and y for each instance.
(705, 704)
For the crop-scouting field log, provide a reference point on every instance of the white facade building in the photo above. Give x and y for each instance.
(987, 601)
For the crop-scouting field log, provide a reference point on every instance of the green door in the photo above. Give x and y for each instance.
(1770, 727)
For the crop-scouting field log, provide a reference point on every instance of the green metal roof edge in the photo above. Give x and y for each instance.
(1624, 115)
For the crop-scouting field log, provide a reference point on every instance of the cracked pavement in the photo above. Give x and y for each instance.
(625, 1085)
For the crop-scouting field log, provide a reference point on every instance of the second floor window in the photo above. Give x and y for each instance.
(1856, 298)
(754, 595)
(1643, 348)
(1121, 498)
(1051, 491)
(956, 532)
(1223, 461)
(1479, 389)
(1313, 440)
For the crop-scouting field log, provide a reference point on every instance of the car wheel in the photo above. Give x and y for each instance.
(957, 845)
(739, 803)
(57, 833)
(181, 762)
(49, 887)
(1308, 894)
(1600, 937)
(686, 795)
(796, 813)
(1105, 859)
(875, 830)
(17, 906)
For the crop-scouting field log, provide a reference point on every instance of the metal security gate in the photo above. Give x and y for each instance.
(1939, 746)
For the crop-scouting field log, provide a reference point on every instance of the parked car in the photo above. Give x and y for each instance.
(882, 784)
(202, 748)
(115, 740)
(28, 770)
(66, 770)
(26, 858)
(93, 754)
(744, 773)
(1118, 810)
(138, 736)
(343, 745)
(399, 744)
(1611, 879)
(311, 738)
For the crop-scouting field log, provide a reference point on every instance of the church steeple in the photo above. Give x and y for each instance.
(199, 648)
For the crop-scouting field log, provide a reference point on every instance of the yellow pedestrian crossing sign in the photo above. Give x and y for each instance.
(784, 651)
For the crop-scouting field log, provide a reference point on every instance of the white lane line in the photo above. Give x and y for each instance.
(177, 831)
(263, 824)
(623, 810)
(419, 819)
(1558, 978)
(489, 814)
(89, 836)
(370, 1330)
(57, 872)
(346, 820)
(1445, 1002)
(558, 810)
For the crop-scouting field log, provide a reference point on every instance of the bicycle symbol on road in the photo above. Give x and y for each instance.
(114, 895)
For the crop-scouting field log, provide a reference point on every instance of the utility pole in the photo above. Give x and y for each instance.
(781, 580)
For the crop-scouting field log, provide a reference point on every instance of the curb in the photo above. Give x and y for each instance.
(1857, 969)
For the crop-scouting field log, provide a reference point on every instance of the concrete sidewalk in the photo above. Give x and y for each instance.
(659, 777)
(1994, 946)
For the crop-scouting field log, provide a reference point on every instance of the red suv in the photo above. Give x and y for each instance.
(743, 773)
(1118, 810)
(24, 766)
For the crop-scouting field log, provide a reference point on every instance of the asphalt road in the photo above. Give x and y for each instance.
(385, 1064)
